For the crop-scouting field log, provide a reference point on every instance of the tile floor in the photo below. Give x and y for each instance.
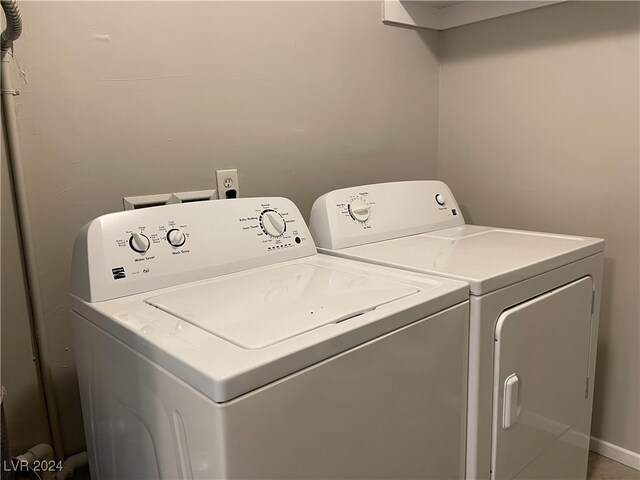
(603, 468)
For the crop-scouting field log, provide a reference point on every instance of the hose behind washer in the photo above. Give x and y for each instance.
(14, 24)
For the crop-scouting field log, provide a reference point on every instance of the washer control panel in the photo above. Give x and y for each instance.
(140, 250)
(148, 239)
(276, 228)
(371, 213)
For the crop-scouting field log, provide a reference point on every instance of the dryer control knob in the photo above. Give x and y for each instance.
(359, 210)
(440, 200)
(175, 237)
(139, 242)
(272, 223)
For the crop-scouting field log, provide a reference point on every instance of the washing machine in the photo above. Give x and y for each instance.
(534, 303)
(213, 341)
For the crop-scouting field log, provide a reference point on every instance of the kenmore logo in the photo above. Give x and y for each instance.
(118, 273)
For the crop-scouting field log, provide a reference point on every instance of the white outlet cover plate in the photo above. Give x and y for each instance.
(227, 180)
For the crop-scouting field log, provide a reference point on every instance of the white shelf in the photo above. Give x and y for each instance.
(437, 15)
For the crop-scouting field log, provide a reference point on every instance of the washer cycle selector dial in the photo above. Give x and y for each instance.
(176, 237)
(139, 242)
(272, 223)
(359, 210)
(440, 200)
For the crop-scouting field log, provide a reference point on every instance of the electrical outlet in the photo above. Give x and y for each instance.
(228, 186)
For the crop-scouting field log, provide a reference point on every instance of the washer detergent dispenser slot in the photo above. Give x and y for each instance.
(278, 303)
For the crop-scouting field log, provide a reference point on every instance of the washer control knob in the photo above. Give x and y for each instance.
(176, 237)
(139, 242)
(272, 223)
(359, 210)
(440, 200)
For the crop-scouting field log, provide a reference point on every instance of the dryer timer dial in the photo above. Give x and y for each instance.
(359, 210)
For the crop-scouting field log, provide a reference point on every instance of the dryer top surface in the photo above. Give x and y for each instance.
(485, 257)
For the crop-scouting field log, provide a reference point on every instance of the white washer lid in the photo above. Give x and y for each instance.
(222, 370)
(261, 308)
(485, 257)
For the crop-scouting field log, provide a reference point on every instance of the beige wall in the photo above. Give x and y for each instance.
(131, 98)
(24, 402)
(539, 128)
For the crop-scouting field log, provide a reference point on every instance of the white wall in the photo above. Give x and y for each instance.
(131, 98)
(539, 129)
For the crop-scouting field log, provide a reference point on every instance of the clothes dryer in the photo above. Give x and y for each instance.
(534, 304)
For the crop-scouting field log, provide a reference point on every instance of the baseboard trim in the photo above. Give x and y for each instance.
(614, 452)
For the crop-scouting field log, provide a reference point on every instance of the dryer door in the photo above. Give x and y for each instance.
(540, 374)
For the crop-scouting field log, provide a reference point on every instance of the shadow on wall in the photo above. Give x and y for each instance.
(466, 214)
(551, 25)
(426, 35)
(604, 357)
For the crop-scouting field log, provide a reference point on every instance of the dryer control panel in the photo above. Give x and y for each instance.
(371, 213)
(135, 251)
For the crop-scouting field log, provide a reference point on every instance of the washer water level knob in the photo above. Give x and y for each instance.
(176, 237)
(139, 242)
(359, 210)
(272, 223)
(440, 200)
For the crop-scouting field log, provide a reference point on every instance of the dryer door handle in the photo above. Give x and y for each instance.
(510, 405)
